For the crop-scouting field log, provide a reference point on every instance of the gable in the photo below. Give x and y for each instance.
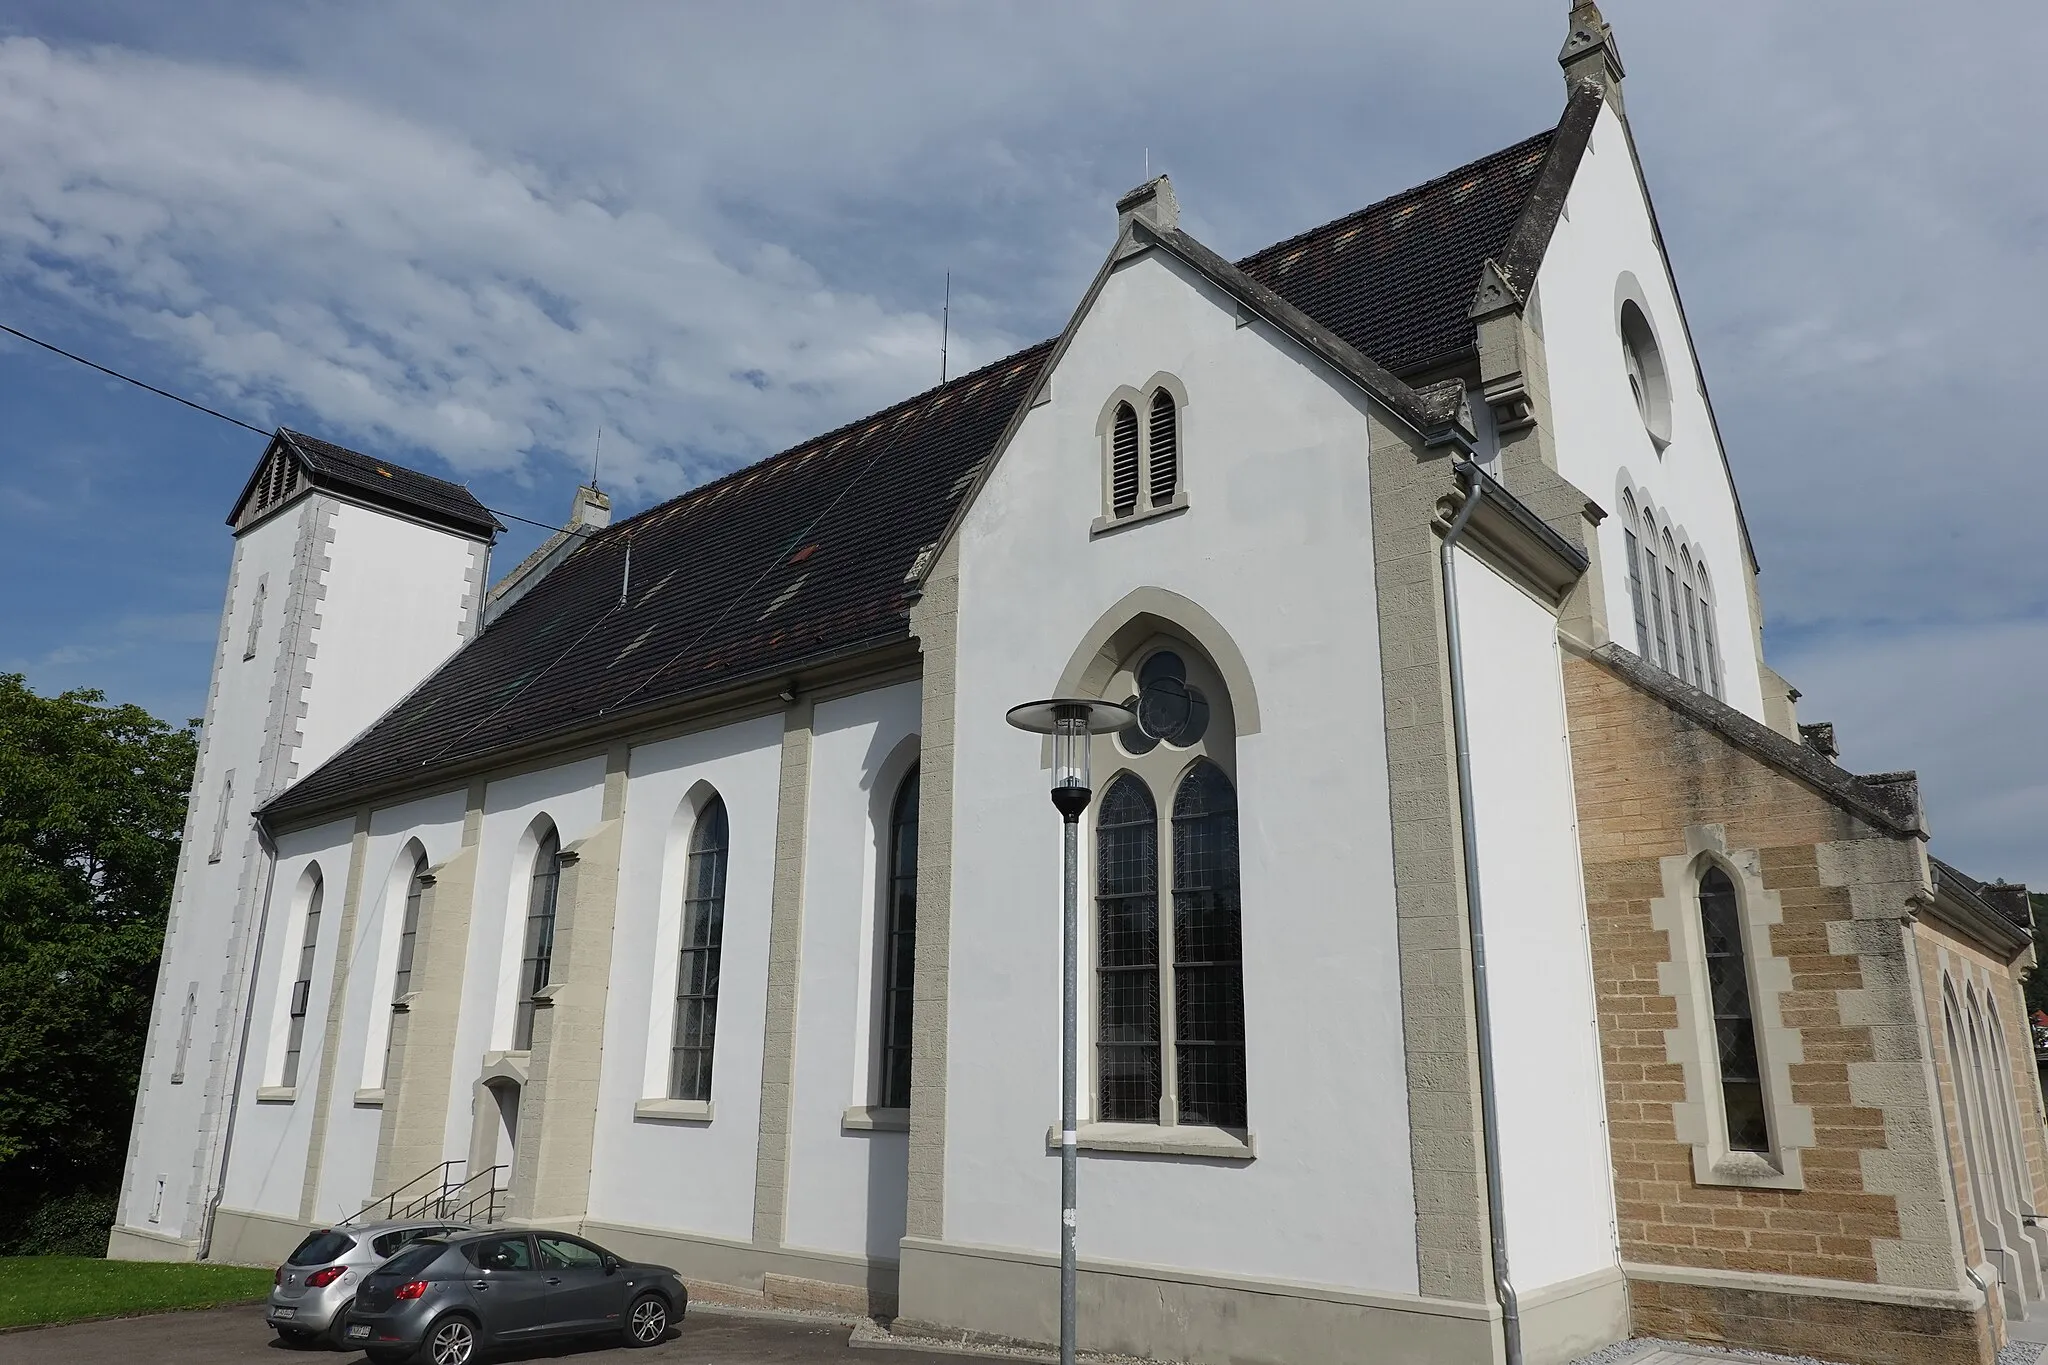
(294, 461)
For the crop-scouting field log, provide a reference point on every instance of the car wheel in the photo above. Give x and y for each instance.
(451, 1341)
(647, 1320)
(338, 1326)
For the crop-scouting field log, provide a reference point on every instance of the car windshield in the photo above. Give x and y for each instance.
(413, 1259)
(322, 1247)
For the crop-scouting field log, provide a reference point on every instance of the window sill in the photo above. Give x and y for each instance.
(370, 1098)
(1749, 1170)
(277, 1094)
(874, 1118)
(672, 1111)
(1153, 1139)
(1104, 526)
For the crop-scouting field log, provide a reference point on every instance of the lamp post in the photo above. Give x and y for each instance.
(1071, 721)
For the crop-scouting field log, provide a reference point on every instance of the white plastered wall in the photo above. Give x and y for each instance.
(847, 1188)
(1555, 1169)
(434, 825)
(266, 1170)
(175, 1138)
(572, 797)
(695, 1177)
(1600, 437)
(1276, 546)
(396, 605)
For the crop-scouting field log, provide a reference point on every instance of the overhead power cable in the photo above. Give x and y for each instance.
(210, 412)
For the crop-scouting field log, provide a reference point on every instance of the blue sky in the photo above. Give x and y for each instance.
(463, 235)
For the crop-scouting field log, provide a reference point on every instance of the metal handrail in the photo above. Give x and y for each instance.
(441, 1196)
(389, 1203)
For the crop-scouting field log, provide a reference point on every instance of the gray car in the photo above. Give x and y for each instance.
(442, 1300)
(314, 1287)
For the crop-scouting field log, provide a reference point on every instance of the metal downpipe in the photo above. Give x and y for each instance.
(1504, 1290)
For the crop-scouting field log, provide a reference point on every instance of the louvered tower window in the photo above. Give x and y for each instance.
(1742, 1090)
(703, 935)
(538, 961)
(1163, 449)
(1123, 461)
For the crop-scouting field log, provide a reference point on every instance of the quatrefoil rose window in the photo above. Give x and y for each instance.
(1169, 708)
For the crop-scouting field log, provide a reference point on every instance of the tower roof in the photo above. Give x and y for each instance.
(295, 460)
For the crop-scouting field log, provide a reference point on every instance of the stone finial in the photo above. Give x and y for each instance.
(1590, 53)
(1819, 736)
(1152, 201)
(592, 510)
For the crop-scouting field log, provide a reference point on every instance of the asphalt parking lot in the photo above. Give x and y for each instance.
(234, 1336)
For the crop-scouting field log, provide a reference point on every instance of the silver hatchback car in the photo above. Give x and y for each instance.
(312, 1290)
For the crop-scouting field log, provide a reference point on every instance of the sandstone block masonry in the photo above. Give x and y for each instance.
(1846, 1226)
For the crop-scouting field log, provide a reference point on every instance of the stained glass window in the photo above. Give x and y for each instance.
(1127, 953)
(1208, 972)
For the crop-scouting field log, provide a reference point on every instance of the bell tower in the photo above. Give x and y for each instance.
(351, 579)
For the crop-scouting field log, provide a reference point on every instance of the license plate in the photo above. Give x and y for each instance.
(284, 1314)
(358, 1331)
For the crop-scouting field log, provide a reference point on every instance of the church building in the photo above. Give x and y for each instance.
(1480, 960)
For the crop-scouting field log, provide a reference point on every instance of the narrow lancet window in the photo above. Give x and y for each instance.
(538, 961)
(1742, 1091)
(1208, 971)
(302, 990)
(696, 1027)
(1127, 953)
(899, 948)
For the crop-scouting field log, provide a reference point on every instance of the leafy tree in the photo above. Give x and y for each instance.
(92, 805)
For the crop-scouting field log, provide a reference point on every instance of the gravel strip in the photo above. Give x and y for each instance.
(2020, 1353)
(1628, 1350)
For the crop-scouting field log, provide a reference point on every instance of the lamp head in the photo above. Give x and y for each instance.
(1072, 722)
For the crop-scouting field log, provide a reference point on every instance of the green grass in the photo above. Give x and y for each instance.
(35, 1290)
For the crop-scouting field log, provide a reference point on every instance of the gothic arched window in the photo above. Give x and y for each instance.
(703, 930)
(301, 998)
(1170, 1029)
(899, 947)
(1742, 1091)
(1635, 574)
(543, 888)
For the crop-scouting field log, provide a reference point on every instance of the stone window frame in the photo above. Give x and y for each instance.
(406, 880)
(1635, 331)
(1699, 1120)
(657, 1104)
(1659, 543)
(1161, 770)
(1140, 400)
(308, 899)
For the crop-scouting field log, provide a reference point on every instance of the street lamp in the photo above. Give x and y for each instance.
(1071, 721)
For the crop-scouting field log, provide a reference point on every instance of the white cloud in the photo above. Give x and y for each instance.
(306, 251)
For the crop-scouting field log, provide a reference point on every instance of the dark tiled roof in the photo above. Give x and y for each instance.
(807, 554)
(1396, 280)
(392, 484)
(803, 556)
